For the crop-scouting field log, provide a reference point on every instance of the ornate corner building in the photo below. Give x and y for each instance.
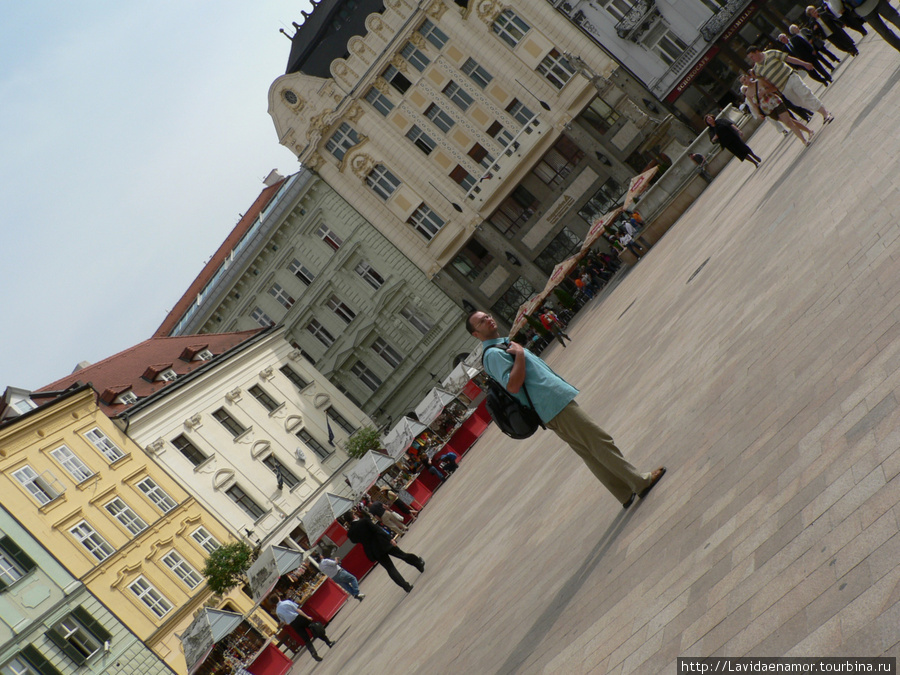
(479, 138)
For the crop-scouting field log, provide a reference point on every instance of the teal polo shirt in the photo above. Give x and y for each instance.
(548, 391)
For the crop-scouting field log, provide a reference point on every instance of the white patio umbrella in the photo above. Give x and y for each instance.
(273, 562)
(402, 436)
(367, 470)
(210, 626)
(323, 513)
(458, 378)
(432, 405)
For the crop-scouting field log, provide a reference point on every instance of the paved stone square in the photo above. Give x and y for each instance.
(767, 382)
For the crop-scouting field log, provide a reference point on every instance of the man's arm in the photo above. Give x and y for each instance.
(798, 62)
(517, 374)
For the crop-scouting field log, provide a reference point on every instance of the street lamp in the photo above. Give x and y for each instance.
(543, 104)
(452, 203)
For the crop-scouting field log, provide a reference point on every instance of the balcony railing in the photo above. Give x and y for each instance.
(638, 20)
(715, 24)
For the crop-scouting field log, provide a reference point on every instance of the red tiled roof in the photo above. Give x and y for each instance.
(125, 370)
(217, 259)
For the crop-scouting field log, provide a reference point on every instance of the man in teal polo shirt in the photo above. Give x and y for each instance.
(554, 400)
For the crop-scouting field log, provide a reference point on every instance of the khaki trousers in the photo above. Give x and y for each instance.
(599, 452)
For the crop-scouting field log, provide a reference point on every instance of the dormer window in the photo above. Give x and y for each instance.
(204, 355)
(168, 375)
(126, 398)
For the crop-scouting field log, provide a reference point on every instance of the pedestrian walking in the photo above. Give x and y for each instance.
(379, 547)
(755, 112)
(289, 613)
(876, 12)
(343, 578)
(772, 105)
(770, 67)
(552, 324)
(388, 518)
(727, 135)
(830, 28)
(554, 401)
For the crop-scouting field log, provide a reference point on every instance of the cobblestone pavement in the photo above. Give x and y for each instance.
(756, 352)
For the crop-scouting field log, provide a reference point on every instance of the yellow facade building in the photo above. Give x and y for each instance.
(114, 518)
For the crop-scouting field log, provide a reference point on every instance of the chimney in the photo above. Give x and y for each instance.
(81, 366)
(272, 178)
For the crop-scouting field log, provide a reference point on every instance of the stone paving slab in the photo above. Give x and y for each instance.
(767, 382)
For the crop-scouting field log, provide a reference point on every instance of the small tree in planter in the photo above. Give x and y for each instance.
(362, 441)
(226, 566)
(565, 299)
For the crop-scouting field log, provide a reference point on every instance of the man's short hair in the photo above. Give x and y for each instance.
(753, 48)
(470, 328)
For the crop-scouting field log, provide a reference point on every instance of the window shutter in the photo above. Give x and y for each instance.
(64, 645)
(89, 622)
(22, 558)
(36, 659)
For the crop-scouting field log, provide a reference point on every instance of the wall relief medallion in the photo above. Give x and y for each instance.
(436, 10)
(361, 164)
(488, 10)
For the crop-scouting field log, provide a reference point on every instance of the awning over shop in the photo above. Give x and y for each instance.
(458, 378)
(432, 405)
(367, 470)
(210, 626)
(402, 436)
(272, 563)
(323, 513)
(599, 227)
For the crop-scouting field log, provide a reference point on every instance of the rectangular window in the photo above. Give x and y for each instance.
(342, 140)
(341, 388)
(72, 463)
(398, 80)
(514, 212)
(463, 177)
(207, 542)
(76, 640)
(242, 499)
(664, 43)
(14, 562)
(510, 27)
(416, 59)
(276, 466)
(367, 377)
(458, 96)
(340, 420)
(341, 309)
(422, 141)
(189, 450)
(265, 400)
(503, 136)
(556, 165)
(152, 598)
(600, 115)
(329, 237)
(261, 318)
(472, 260)
(96, 545)
(156, 495)
(390, 355)
(425, 221)
(477, 73)
(313, 443)
(301, 272)
(556, 68)
(182, 569)
(441, 119)
(101, 441)
(294, 377)
(382, 181)
(481, 155)
(320, 333)
(226, 420)
(617, 8)
(519, 112)
(418, 320)
(44, 487)
(369, 275)
(119, 510)
(379, 101)
(281, 296)
(433, 34)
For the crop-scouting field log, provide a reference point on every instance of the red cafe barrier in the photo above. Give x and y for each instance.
(325, 602)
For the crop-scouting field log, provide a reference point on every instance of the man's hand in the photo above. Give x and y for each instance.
(515, 349)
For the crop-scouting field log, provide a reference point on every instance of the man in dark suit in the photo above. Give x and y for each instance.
(379, 547)
(798, 47)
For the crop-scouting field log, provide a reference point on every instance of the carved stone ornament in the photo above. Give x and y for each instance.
(348, 156)
(400, 63)
(362, 164)
(318, 124)
(488, 10)
(267, 373)
(354, 112)
(381, 85)
(193, 422)
(358, 46)
(340, 68)
(156, 446)
(295, 355)
(436, 10)
(259, 448)
(222, 478)
(418, 40)
(234, 395)
(313, 162)
(375, 24)
(292, 422)
(393, 4)
(321, 400)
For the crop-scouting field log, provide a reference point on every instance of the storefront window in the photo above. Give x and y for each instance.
(507, 306)
(562, 246)
(472, 260)
(603, 200)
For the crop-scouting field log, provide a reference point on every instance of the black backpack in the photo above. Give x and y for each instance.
(512, 417)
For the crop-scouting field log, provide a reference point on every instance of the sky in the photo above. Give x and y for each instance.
(133, 136)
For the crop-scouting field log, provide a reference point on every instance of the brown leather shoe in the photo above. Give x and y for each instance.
(654, 479)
